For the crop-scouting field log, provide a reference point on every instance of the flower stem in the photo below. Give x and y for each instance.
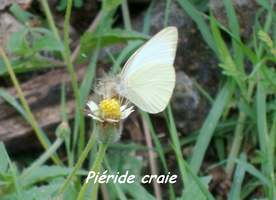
(50, 19)
(68, 61)
(70, 68)
(78, 165)
(31, 119)
(238, 134)
(95, 168)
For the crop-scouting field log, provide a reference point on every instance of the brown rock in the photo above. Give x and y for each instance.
(8, 25)
(245, 10)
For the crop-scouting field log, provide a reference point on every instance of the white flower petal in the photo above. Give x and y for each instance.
(92, 106)
(122, 108)
(95, 117)
(111, 120)
(127, 112)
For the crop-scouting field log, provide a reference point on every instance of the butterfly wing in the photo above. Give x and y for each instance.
(148, 77)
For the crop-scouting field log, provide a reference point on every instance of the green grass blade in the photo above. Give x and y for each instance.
(235, 29)
(207, 130)
(5, 160)
(192, 176)
(126, 17)
(147, 18)
(271, 159)
(123, 55)
(235, 192)
(227, 61)
(87, 82)
(253, 171)
(262, 121)
(176, 144)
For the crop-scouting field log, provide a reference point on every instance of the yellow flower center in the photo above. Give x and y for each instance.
(110, 108)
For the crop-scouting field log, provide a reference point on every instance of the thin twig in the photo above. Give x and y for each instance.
(104, 192)
(152, 156)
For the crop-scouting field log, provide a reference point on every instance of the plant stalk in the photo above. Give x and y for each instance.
(95, 168)
(78, 165)
(73, 75)
(238, 136)
(126, 16)
(31, 119)
(50, 19)
(68, 61)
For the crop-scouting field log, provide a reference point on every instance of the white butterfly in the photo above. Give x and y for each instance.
(148, 77)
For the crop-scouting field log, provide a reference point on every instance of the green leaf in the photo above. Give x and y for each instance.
(113, 36)
(17, 43)
(62, 4)
(44, 192)
(4, 158)
(265, 38)
(35, 193)
(48, 43)
(13, 102)
(46, 173)
(28, 64)
(109, 5)
(114, 188)
(28, 41)
(192, 191)
(137, 191)
(253, 171)
(123, 160)
(265, 3)
(227, 62)
(78, 3)
(20, 14)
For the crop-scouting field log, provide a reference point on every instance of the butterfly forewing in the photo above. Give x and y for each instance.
(149, 76)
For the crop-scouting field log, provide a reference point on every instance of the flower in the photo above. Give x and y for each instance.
(109, 110)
